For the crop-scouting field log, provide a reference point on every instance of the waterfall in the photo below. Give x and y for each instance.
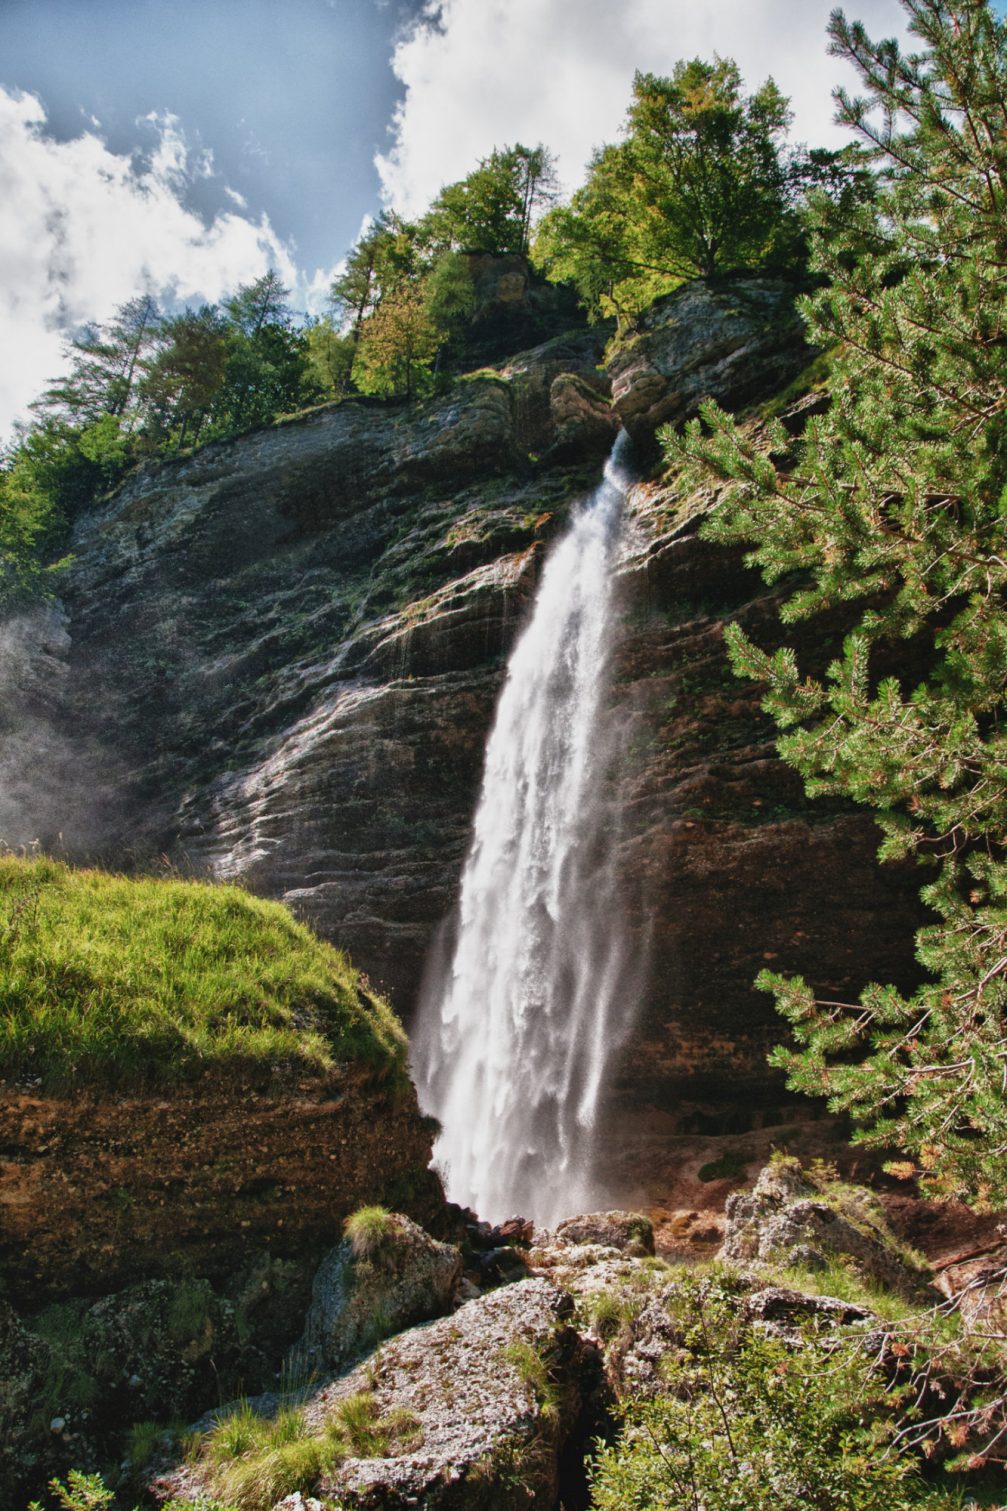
(516, 1028)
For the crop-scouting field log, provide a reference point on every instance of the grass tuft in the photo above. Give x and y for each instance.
(254, 1461)
(367, 1229)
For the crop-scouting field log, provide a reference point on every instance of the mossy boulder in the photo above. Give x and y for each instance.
(629, 1231)
(386, 1275)
(797, 1219)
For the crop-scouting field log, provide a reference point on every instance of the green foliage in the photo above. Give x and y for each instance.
(382, 264)
(367, 1229)
(749, 1421)
(492, 210)
(730, 1165)
(894, 506)
(698, 187)
(105, 365)
(330, 356)
(397, 347)
(608, 1312)
(80, 1492)
(184, 378)
(533, 1371)
(119, 981)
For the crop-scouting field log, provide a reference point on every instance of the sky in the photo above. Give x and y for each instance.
(184, 146)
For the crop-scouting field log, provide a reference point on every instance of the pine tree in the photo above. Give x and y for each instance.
(106, 364)
(896, 505)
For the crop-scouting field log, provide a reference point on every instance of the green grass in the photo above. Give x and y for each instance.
(114, 981)
(367, 1229)
(254, 1461)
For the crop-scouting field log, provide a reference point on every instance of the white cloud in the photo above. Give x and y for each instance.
(84, 229)
(312, 293)
(482, 73)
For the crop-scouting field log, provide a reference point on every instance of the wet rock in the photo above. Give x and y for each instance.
(788, 1220)
(584, 422)
(733, 344)
(358, 1298)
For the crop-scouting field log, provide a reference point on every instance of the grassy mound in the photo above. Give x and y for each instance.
(116, 982)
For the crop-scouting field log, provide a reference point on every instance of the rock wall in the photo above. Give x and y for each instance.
(98, 1193)
(293, 643)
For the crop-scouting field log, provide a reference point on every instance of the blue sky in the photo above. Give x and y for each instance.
(186, 145)
(293, 98)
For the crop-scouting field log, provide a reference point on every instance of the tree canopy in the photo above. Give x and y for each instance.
(895, 505)
(698, 186)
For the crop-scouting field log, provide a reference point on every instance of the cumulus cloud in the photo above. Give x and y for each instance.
(482, 73)
(84, 228)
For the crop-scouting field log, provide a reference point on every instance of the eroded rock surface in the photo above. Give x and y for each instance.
(731, 343)
(357, 1297)
(95, 1193)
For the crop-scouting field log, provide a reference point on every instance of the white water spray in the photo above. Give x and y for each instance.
(515, 1032)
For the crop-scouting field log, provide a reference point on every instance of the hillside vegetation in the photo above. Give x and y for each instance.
(115, 981)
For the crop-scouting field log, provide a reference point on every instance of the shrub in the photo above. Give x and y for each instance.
(752, 1422)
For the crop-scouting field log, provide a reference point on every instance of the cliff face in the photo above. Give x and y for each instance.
(98, 1192)
(291, 647)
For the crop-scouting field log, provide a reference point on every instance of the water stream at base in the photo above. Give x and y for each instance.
(519, 1022)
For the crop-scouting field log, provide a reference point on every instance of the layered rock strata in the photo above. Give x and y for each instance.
(96, 1192)
(292, 645)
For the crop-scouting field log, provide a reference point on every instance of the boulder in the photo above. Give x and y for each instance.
(788, 1220)
(733, 344)
(629, 1231)
(359, 1297)
(468, 1413)
(495, 1392)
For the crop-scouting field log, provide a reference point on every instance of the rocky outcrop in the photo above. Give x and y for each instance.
(790, 1221)
(98, 1192)
(733, 343)
(472, 1411)
(362, 1292)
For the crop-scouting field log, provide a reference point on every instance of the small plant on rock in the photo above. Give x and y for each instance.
(367, 1229)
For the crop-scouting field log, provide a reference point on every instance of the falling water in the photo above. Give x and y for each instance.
(516, 1029)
